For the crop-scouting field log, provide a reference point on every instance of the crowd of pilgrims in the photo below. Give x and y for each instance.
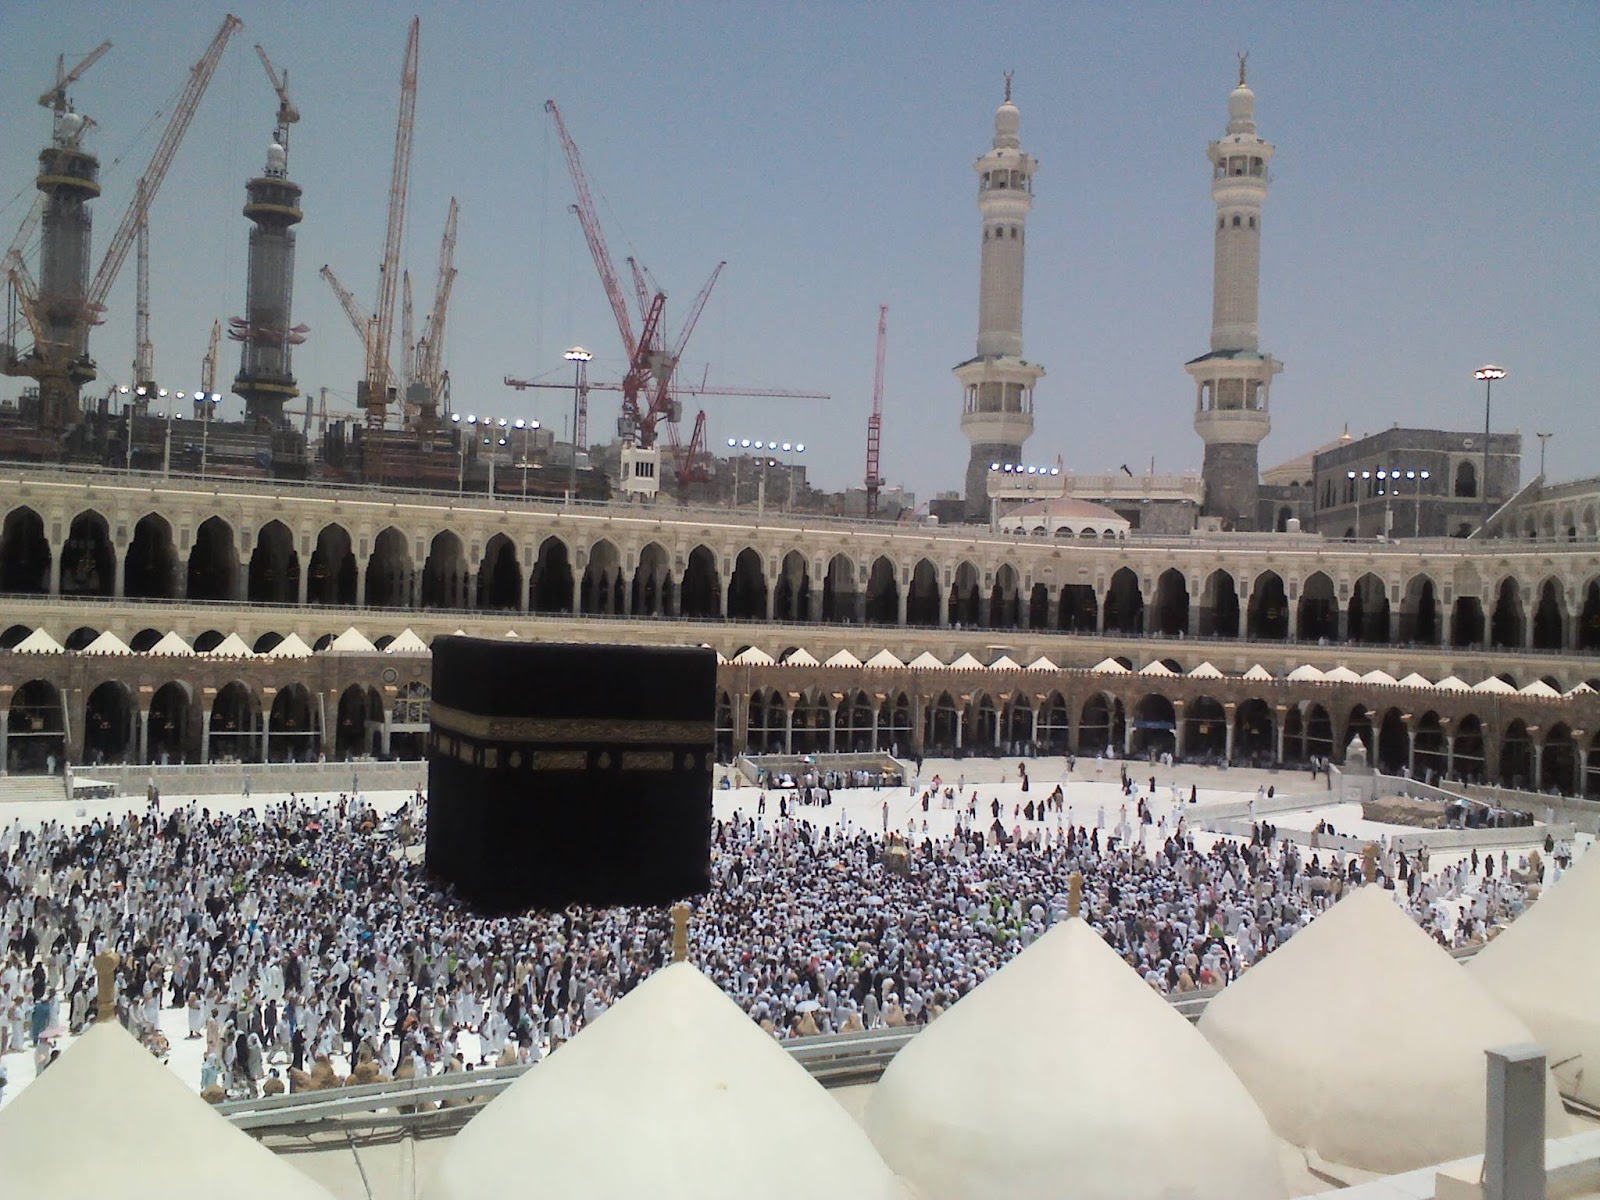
(305, 939)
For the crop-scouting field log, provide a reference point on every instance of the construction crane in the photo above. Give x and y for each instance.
(288, 114)
(208, 364)
(56, 98)
(875, 421)
(59, 359)
(430, 372)
(378, 370)
(144, 352)
(363, 324)
(408, 335)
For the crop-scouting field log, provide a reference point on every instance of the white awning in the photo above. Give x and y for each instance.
(1414, 680)
(231, 646)
(754, 655)
(925, 662)
(107, 643)
(1156, 668)
(1539, 688)
(1341, 674)
(966, 663)
(1451, 684)
(353, 641)
(1306, 674)
(172, 646)
(1005, 663)
(1205, 671)
(292, 646)
(1259, 673)
(1494, 684)
(37, 642)
(842, 658)
(1109, 666)
(884, 660)
(1042, 664)
(407, 643)
(802, 658)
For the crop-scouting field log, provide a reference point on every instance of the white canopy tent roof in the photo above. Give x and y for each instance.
(293, 646)
(37, 642)
(1108, 666)
(1056, 1069)
(107, 643)
(1258, 672)
(1205, 671)
(1306, 673)
(1156, 668)
(1414, 680)
(171, 645)
(842, 658)
(1042, 664)
(407, 642)
(883, 659)
(1539, 688)
(1495, 686)
(966, 663)
(801, 658)
(1451, 684)
(694, 1099)
(231, 646)
(108, 1120)
(1005, 663)
(926, 661)
(1379, 677)
(1341, 674)
(353, 641)
(755, 656)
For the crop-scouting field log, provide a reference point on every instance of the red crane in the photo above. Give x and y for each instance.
(378, 369)
(875, 421)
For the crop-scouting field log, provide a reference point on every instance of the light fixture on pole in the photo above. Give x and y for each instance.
(1543, 438)
(765, 448)
(579, 358)
(526, 428)
(1488, 373)
(1421, 478)
(207, 405)
(1358, 481)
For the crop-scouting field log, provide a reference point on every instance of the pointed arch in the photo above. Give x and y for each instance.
(1550, 617)
(1506, 627)
(883, 593)
(1219, 606)
(391, 575)
(88, 562)
(332, 572)
(840, 593)
(1367, 615)
(1124, 604)
(274, 576)
(923, 606)
(747, 587)
(1318, 612)
(25, 558)
(791, 598)
(701, 589)
(1169, 614)
(964, 605)
(601, 589)
(445, 576)
(500, 583)
(550, 586)
(1269, 608)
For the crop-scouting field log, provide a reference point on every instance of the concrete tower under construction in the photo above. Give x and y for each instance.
(265, 378)
(1232, 382)
(997, 384)
(69, 177)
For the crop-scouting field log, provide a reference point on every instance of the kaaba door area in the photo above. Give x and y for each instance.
(570, 774)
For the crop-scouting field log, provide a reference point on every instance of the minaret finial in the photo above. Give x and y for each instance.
(1244, 57)
(1009, 74)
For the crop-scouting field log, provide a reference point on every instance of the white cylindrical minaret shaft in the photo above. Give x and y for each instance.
(997, 412)
(1233, 381)
(1239, 177)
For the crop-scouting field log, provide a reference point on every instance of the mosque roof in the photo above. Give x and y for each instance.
(1544, 969)
(1067, 508)
(1363, 1040)
(674, 1092)
(1056, 1069)
(107, 1119)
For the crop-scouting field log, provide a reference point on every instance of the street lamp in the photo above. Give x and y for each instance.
(207, 405)
(1488, 373)
(1358, 480)
(765, 448)
(579, 358)
(1543, 438)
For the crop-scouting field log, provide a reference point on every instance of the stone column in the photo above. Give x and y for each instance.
(305, 584)
(905, 598)
(1228, 711)
(1579, 759)
(1411, 750)
(1177, 728)
(1449, 754)
(1281, 714)
(205, 734)
(55, 567)
(1034, 741)
(1533, 784)
(577, 589)
(788, 731)
(144, 735)
(119, 570)
(1514, 1146)
(5, 735)
(361, 582)
(1292, 613)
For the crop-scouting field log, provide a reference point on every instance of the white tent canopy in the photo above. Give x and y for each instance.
(407, 643)
(801, 658)
(1380, 677)
(1414, 680)
(293, 646)
(231, 646)
(1341, 674)
(925, 662)
(107, 643)
(755, 656)
(37, 642)
(1109, 666)
(884, 659)
(1156, 668)
(1539, 688)
(966, 663)
(1205, 671)
(842, 658)
(353, 641)
(172, 646)
(1495, 686)
(1005, 663)
(1042, 664)
(1451, 684)
(1306, 673)
(1258, 673)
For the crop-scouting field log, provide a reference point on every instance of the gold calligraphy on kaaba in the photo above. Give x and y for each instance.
(569, 730)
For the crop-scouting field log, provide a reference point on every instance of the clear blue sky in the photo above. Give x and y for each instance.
(1434, 204)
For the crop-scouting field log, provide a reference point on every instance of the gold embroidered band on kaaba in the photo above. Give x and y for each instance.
(535, 731)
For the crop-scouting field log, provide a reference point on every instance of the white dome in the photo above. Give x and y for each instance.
(1544, 969)
(108, 1120)
(674, 1092)
(1364, 1041)
(1052, 1078)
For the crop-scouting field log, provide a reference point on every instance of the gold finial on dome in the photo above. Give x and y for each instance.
(1075, 894)
(680, 932)
(105, 969)
(1369, 862)
(1009, 74)
(1244, 57)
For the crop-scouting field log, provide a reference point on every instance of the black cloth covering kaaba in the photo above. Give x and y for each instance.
(570, 774)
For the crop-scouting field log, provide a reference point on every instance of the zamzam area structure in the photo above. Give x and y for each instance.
(154, 616)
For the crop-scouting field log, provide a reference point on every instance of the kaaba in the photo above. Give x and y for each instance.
(570, 774)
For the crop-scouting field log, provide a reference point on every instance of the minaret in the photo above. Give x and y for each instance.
(1232, 382)
(69, 177)
(997, 410)
(273, 206)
